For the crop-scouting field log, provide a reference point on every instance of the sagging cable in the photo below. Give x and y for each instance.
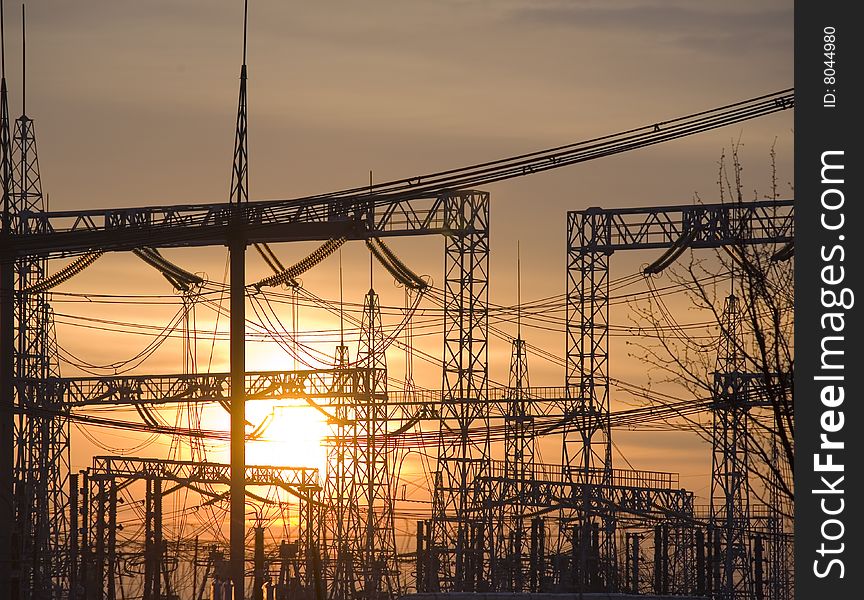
(64, 274)
(184, 277)
(289, 276)
(146, 416)
(258, 431)
(672, 254)
(398, 269)
(181, 279)
(407, 426)
(269, 257)
(739, 257)
(416, 282)
(784, 253)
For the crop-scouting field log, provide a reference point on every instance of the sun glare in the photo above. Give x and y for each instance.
(292, 438)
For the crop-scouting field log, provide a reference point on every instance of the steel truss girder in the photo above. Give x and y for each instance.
(302, 480)
(710, 225)
(41, 438)
(73, 232)
(639, 502)
(207, 387)
(752, 390)
(360, 532)
(462, 518)
(325, 384)
(641, 495)
(592, 236)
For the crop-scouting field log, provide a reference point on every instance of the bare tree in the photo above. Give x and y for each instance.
(686, 354)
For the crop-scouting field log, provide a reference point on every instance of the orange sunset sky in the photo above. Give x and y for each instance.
(134, 104)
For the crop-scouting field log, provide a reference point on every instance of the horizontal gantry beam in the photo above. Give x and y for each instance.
(599, 230)
(642, 494)
(748, 390)
(329, 384)
(296, 479)
(66, 233)
(207, 387)
(328, 388)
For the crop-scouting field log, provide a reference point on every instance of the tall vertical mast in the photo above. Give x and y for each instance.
(240, 171)
(7, 335)
(5, 145)
(41, 437)
(237, 249)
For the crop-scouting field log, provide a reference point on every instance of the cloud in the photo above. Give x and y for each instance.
(727, 30)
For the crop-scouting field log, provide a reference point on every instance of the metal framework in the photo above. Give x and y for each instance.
(593, 235)
(73, 232)
(373, 472)
(730, 481)
(313, 384)
(462, 524)
(99, 567)
(519, 441)
(640, 496)
(361, 548)
(342, 509)
(587, 443)
(462, 533)
(66, 233)
(304, 482)
(462, 540)
(335, 385)
(739, 568)
(41, 438)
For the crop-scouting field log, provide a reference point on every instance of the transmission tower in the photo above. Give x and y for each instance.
(461, 535)
(340, 504)
(518, 465)
(518, 454)
(41, 427)
(359, 491)
(587, 440)
(378, 548)
(730, 488)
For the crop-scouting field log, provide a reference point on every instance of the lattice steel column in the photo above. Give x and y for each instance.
(372, 475)
(341, 504)
(587, 443)
(730, 485)
(463, 519)
(519, 462)
(360, 537)
(779, 582)
(42, 440)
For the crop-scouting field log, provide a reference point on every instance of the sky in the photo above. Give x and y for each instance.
(134, 104)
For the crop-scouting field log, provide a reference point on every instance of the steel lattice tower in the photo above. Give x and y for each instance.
(730, 487)
(518, 465)
(461, 511)
(377, 549)
(337, 489)
(359, 490)
(42, 438)
(587, 444)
